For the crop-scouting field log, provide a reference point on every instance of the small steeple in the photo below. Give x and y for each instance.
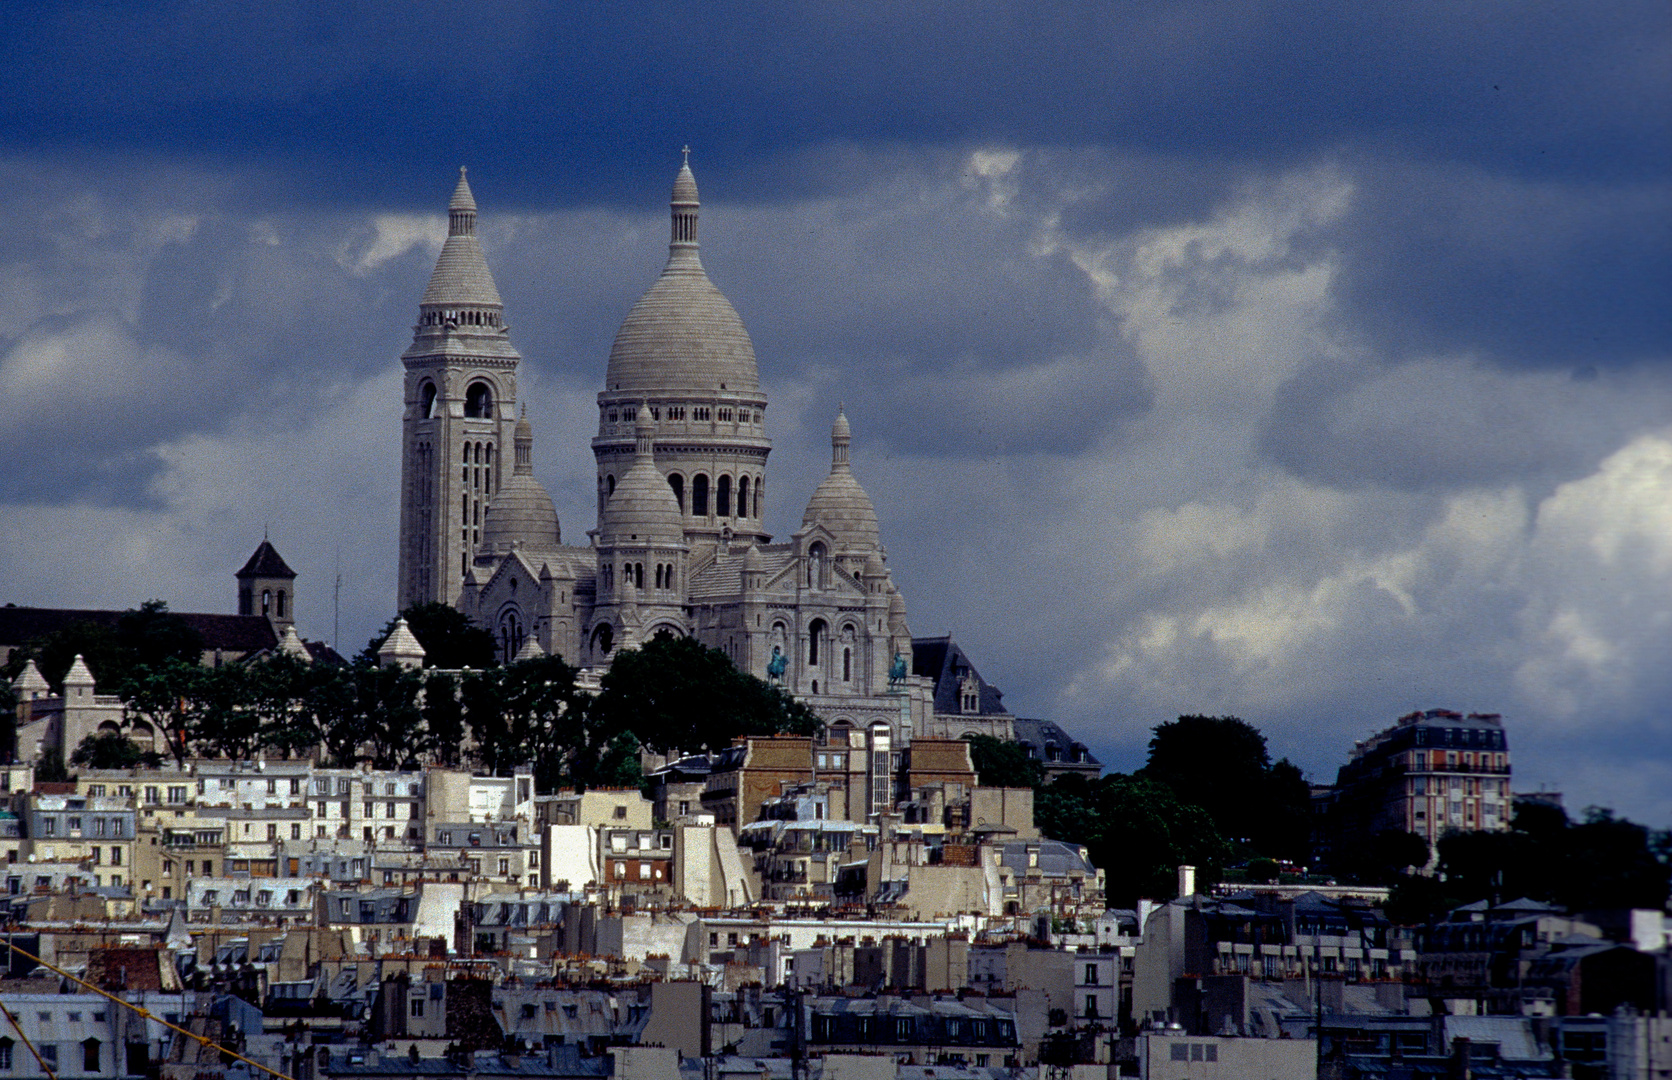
(78, 681)
(644, 434)
(840, 437)
(523, 463)
(400, 648)
(684, 205)
(461, 279)
(461, 209)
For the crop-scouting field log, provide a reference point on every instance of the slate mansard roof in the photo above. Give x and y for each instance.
(941, 660)
(228, 633)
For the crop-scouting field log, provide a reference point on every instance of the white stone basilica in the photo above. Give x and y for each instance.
(680, 545)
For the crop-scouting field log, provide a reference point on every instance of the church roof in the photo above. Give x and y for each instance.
(228, 633)
(461, 272)
(724, 577)
(521, 510)
(642, 507)
(266, 563)
(941, 660)
(839, 503)
(683, 334)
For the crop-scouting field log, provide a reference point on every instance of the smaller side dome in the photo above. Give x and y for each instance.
(521, 511)
(839, 503)
(643, 507)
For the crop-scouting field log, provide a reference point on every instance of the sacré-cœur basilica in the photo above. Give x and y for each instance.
(679, 546)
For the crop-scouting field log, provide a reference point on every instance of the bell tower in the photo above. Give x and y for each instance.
(461, 389)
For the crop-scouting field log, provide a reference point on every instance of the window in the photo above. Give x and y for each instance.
(417, 1008)
(177, 794)
(296, 831)
(1091, 974)
(116, 856)
(6, 1053)
(49, 1054)
(1178, 1052)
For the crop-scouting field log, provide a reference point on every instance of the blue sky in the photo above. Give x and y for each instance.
(1301, 362)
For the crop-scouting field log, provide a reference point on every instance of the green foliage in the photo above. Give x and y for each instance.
(1002, 763)
(676, 694)
(166, 695)
(146, 636)
(1603, 861)
(111, 750)
(1382, 859)
(1220, 764)
(1135, 828)
(49, 767)
(449, 638)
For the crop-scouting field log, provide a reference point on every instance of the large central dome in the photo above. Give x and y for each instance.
(683, 334)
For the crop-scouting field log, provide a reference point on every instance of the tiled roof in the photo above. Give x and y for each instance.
(229, 633)
(266, 563)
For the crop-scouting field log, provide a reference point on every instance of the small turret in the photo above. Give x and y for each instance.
(400, 648)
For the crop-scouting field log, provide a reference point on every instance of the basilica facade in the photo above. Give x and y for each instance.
(680, 544)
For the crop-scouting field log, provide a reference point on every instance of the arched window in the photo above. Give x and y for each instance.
(722, 497)
(638, 574)
(478, 401)
(90, 1055)
(426, 400)
(699, 495)
(815, 633)
(847, 665)
(603, 639)
(279, 601)
(759, 490)
(677, 482)
(510, 635)
(266, 601)
(609, 484)
(743, 497)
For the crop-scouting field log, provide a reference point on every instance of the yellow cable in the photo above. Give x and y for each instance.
(15, 1027)
(203, 1040)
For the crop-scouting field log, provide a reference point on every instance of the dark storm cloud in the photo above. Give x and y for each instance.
(1551, 272)
(1562, 89)
(1426, 426)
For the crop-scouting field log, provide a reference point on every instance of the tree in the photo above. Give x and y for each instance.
(151, 634)
(49, 767)
(166, 695)
(277, 684)
(111, 750)
(443, 715)
(676, 694)
(1220, 764)
(1136, 829)
(1002, 763)
(449, 638)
